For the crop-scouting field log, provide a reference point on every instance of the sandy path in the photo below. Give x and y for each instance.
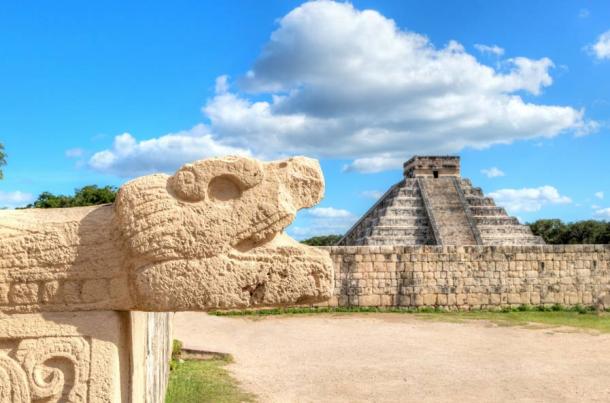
(398, 358)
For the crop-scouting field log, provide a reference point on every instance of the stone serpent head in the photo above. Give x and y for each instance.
(210, 236)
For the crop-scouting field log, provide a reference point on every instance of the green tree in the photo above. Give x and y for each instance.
(579, 232)
(323, 240)
(86, 196)
(589, 232)
(552, 231)
(93, 195)
(2, 159)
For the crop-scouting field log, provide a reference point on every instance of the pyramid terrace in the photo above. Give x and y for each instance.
(434, 205)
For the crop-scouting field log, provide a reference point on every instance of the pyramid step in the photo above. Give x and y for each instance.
(400, 221)
(411, 192)
(403, 201)
(504, 229)
(376, 240)
(490, 211)
(505, 220)
(402, 212)
(480, 201)
(465, 183)
(469, 192)
(399, 231)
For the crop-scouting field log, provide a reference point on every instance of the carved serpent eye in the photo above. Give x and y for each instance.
(186, 186)
(220, 179)
(224, 188)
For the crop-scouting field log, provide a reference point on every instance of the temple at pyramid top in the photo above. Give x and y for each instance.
(431, 166)
(434, 205)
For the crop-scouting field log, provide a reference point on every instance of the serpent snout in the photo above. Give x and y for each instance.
(303, 181)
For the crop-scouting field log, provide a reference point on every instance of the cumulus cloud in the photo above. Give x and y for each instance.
(15, 199)
(492, 172)
(528, 199)
(603, 212)
(75, 152)
(323, 221)
(337, 82)
(382, 92)
(493, 49)
(372, 194)
(329, 212)
(370, 165)
(129, 157)
(601, 48)
(599, 195)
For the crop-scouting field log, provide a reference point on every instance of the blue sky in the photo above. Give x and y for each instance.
(98, 92)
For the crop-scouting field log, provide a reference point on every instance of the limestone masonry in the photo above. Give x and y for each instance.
(208, 237)
(471, 277)
(433, 205)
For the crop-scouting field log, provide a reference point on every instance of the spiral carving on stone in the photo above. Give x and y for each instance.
(13, 382)
(56, 367)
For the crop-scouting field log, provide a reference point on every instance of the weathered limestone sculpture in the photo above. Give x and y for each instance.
(208, 237)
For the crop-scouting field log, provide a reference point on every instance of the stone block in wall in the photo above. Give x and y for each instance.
(369, 300)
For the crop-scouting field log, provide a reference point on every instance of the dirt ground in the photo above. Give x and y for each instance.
(400, 358)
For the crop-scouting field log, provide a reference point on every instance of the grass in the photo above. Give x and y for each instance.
(199, 381)
(556, 315)
(589, 321)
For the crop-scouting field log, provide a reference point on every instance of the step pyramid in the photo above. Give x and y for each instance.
(433, 205)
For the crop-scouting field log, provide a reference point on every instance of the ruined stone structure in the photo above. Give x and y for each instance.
(208, 237)
(433, 205)
(85, 292)
(471, 277)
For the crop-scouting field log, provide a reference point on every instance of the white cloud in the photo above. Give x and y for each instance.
(15, 199)
(583, 13)
(369, 165)
(329, 212)
(599, 195)
(492, 172)
(528, 199)
(494, 49)
(372, 194)
(604, 212)
(128, 157)
(322, 221)
(75, 152)
(601, 48)
(337, 82)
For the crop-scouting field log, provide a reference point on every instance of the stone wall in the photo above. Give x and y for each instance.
(471, 277)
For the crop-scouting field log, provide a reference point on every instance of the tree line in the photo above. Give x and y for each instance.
(86, 196)
(556, 232)
(553, 231)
